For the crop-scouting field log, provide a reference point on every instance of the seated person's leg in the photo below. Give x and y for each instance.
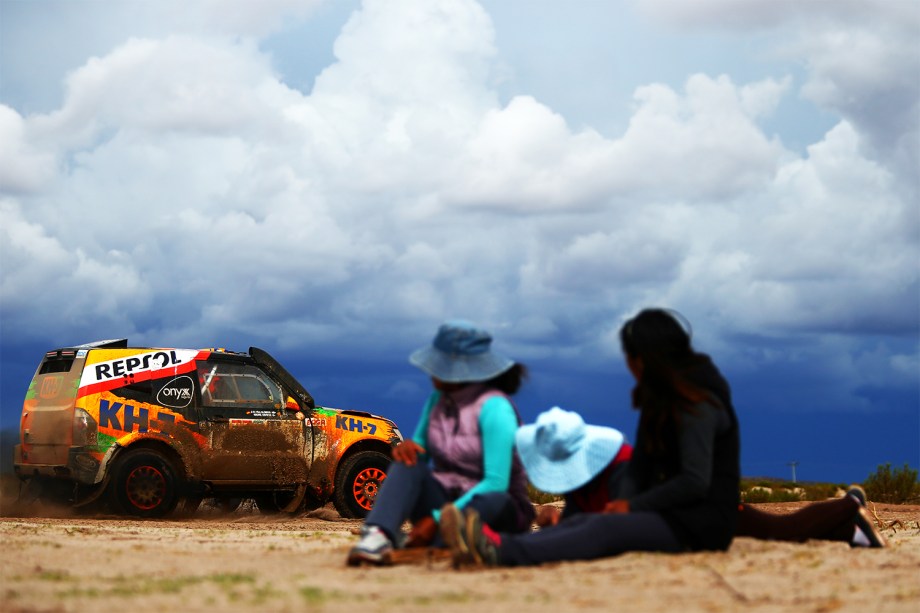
(409, 492)
(499, 512)
(827, 520)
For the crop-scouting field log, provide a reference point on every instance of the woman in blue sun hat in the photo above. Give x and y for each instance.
(588, 465)
(563, 455)
(682, 490)
(462, 450)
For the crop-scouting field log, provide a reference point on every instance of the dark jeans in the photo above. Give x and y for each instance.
(588, 536)
(412, 492)
(831, 520)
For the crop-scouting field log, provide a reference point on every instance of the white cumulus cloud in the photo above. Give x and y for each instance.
(183, 192)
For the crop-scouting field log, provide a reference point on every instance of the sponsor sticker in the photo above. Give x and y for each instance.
(178, 393)
(129, 367)
(126, 417)
(51, 386)
(263, 414)
(343, 422)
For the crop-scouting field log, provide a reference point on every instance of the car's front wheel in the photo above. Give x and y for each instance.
(358, 481)
(146, 484)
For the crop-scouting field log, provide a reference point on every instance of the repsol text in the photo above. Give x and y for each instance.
(126, 366)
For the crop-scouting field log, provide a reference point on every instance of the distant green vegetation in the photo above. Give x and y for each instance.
(753, 489)
(767, 489)
(898, 486)
(894, 486)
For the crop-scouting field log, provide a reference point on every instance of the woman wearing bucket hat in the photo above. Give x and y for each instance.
(682, 493)
(563, 455)
(462, 450)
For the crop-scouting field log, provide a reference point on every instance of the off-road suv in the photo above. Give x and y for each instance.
(151, 427)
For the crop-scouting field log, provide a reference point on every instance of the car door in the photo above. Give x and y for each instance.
(251, 436)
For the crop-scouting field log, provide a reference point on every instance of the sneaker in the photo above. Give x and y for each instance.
(374, 548)
(865, 525)
(469, 540)
(858, 493)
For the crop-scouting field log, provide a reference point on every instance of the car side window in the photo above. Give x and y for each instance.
(173, 392)
(138, 392)
(238, 390)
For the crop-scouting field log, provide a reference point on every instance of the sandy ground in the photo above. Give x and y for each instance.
(251, 562)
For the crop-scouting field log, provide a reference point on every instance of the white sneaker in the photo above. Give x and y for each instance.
(374, 548)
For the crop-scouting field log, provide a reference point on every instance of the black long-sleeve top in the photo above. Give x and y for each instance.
(692, 480)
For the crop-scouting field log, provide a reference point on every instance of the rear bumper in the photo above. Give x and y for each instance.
(81, 466)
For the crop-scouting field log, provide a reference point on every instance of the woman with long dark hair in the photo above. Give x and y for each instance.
(682, 490)
(462, 450)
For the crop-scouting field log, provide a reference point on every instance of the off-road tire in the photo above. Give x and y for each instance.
(145, 484)
(358, 481)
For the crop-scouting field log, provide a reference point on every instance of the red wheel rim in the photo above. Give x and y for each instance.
(145, 487)
(366, 485)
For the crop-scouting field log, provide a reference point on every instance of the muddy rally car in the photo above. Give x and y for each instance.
(147, 429)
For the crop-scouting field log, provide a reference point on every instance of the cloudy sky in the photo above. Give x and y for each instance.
(331, 180)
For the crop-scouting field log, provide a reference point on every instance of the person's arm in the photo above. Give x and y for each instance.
(413, 450)
(697, 442)
(497, 423)
(420, 435)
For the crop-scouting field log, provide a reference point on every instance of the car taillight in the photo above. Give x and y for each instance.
(84, 428)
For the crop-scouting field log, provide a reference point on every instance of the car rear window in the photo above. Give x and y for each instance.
(56, 364)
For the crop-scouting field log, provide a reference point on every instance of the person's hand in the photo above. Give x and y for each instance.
(548, 515)
(407, 452)
(423, 532)
(617, 506)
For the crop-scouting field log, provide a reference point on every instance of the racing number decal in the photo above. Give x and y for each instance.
(343, 422)
(131, 416)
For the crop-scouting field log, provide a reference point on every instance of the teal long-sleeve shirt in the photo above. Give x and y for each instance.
(497, 424)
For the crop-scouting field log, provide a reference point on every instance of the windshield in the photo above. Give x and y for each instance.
(277, 370)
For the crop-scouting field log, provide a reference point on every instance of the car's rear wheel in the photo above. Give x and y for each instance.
(358, 481)
(146, 484)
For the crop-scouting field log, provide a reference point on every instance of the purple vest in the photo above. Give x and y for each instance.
(455, 445)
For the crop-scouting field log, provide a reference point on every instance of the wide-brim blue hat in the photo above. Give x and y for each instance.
(461, 353)
(561, 453)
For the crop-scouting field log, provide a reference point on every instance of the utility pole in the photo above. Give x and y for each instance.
(793, 464)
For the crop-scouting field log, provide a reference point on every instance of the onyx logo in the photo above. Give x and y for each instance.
(177, 393)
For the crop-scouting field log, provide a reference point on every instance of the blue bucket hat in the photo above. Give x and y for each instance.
(461, 353)
(561, 453)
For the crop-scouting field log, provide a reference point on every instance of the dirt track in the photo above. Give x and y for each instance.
(250, 562)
